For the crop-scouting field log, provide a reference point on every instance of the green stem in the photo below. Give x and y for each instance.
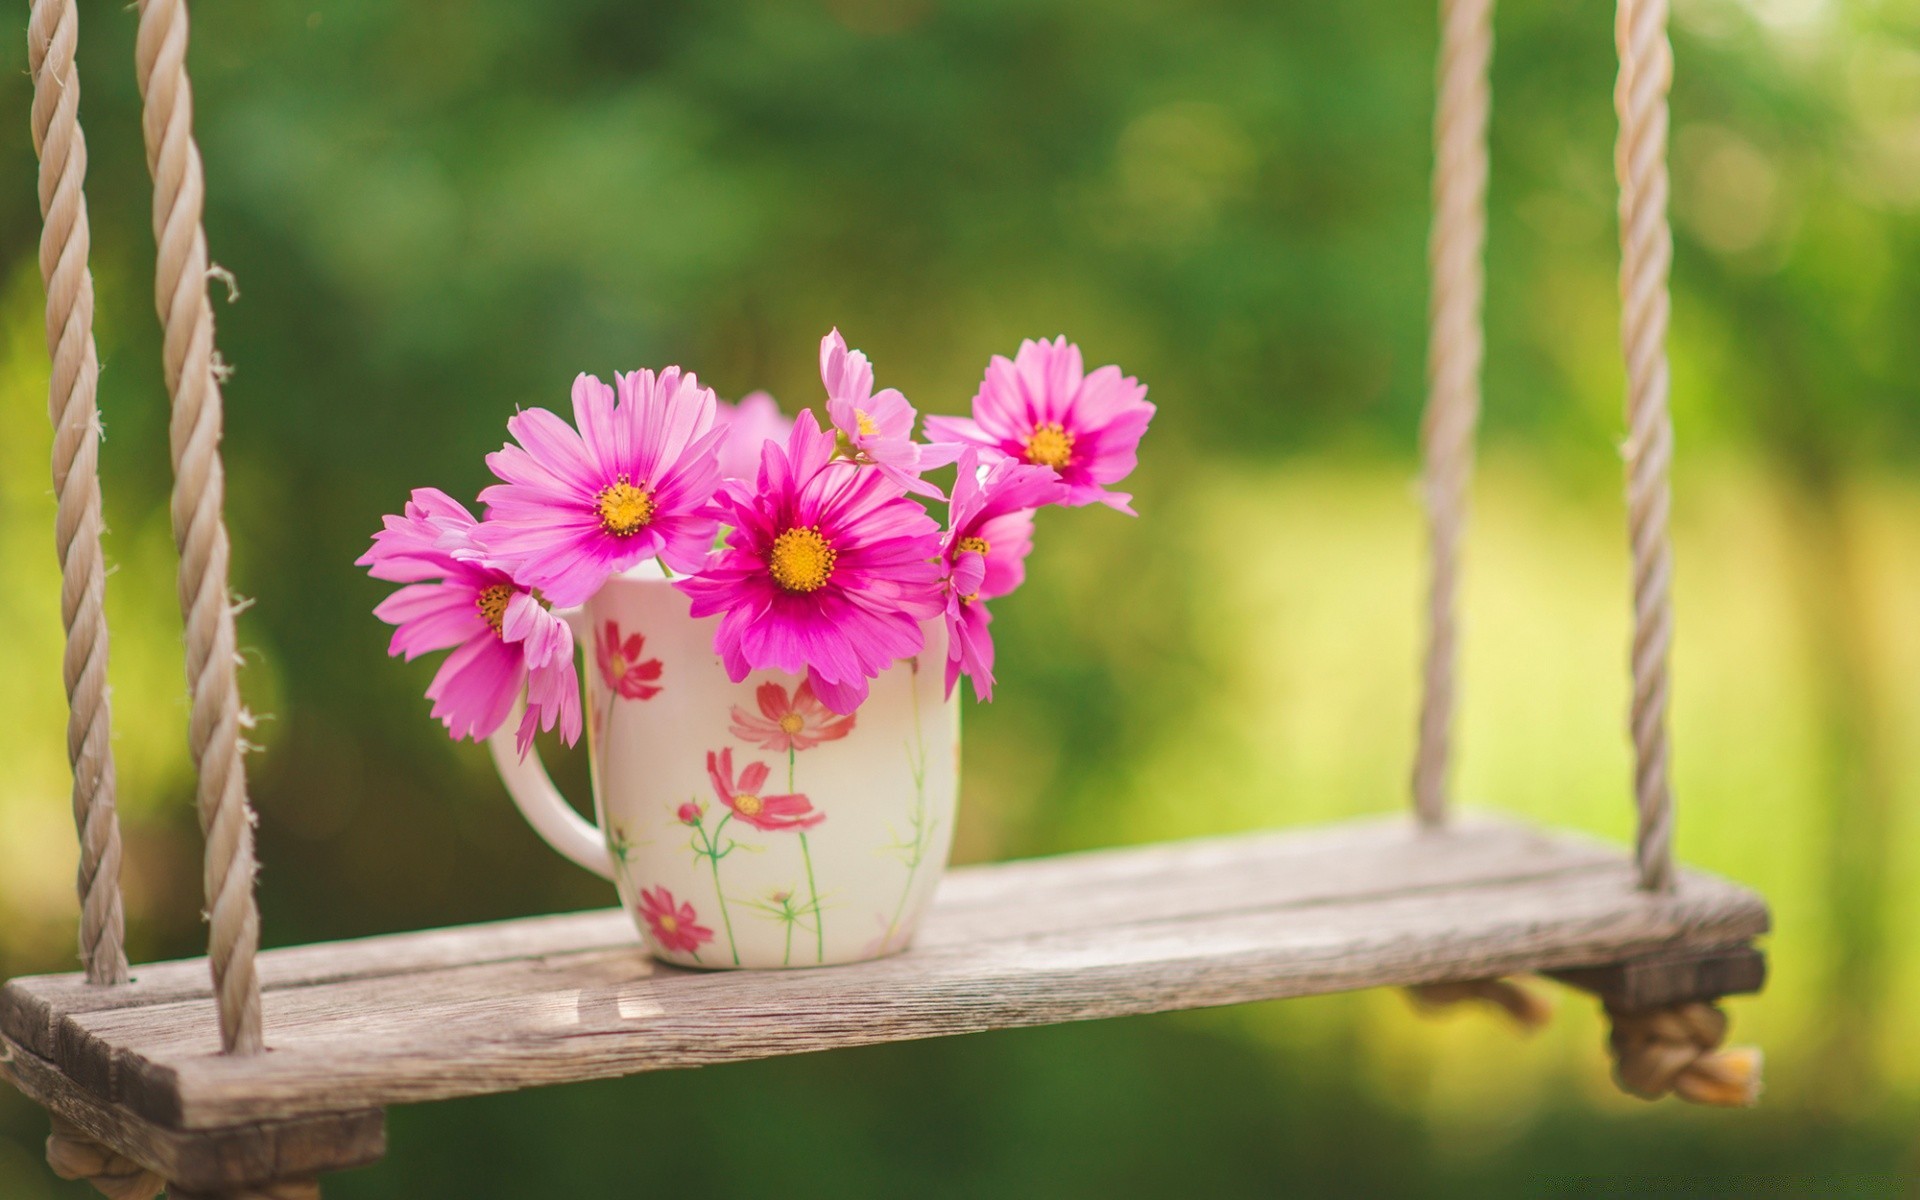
(901, 905)
(920, 834)
(813, 892)
(712, 854)
(813, 896)
(713, 861)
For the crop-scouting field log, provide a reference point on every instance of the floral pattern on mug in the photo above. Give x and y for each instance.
(770, 814)
(622, 669)
(789, 721)
(675, 926)
(780, 906)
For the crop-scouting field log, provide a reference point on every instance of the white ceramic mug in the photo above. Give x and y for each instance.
(745, 824)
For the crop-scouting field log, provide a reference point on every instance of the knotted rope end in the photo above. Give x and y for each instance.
(1677, 1050)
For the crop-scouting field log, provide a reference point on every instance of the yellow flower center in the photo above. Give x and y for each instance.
(747, 804)
(669, 923)
(792, 723)
(624, 508)
(492, 604)
(1050, 446)
(801, 560)
(973, 545)
(865, 422)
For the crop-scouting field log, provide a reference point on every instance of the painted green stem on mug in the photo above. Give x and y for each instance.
(813, 891)
(724, 918)
(709, 849)
(813, 895)
(916, 851)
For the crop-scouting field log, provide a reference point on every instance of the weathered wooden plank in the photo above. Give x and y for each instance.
(210, 1160)
(1352, 858)
(489, 1008)
(29, 1006)
(1640, 984)
(1032, 895)
(1003, 901)
(473, 1030)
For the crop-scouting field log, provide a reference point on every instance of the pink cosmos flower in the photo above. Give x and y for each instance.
(676, 927)
(989, 535)
(876, 429)
(502, 638)
(787, 724)
(691, 813)
(828, 571)
(621, 667)
(632, 482)
(750, 424)
(1042, 408)
(773, 814)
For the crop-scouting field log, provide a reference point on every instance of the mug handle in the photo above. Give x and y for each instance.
(575, 837)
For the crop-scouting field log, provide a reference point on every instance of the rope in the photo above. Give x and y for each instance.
(1455, 348)
(1646, 253)
(1528, 1009)
(199, 488)
(1677, 1050)
(53, 31)
(74, 1155)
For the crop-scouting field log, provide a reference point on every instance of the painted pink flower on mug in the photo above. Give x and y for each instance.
(744, 797)
(675, 926)
(622, 669)
(789, 721)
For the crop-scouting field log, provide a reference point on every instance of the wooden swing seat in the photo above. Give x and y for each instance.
(358, 1025)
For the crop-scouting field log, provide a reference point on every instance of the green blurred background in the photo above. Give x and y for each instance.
(437, 211)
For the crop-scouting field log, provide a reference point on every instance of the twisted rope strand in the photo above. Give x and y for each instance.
(1456, 343)
(53, 32)
(1646, 254)
(199, 489)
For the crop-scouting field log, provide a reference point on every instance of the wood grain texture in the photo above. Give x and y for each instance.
(427, 1016)
(213, 1160)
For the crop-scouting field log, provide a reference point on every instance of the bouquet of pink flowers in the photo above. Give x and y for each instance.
(813, 545)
